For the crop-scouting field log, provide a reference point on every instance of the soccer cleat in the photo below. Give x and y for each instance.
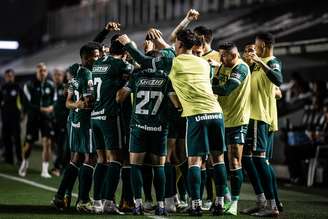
(206, 205)
(84, 207)
(148, 206)
(23, 168)
(126, 206)
(170, 205)
(280, 207)
(182, 205)
(267, 212)
(45, 175)
(138, 210)
(196, 211)
(217, 210)
(161, 211)
(58, 203)
(110, 208)
(67, 201)
(232, 209)
(257, 208)
(98, 207)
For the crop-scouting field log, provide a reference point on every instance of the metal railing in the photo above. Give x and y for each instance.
(84, 19)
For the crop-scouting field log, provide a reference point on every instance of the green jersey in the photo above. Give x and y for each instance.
(108, 73)
(150, 99)
(80, 86)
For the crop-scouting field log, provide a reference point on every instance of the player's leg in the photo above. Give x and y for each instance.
(101, 167)
(113, 142)
(47, 133)
(147, 178)
(157, 147)
(216, 136)
(170, 175)
(263, 168)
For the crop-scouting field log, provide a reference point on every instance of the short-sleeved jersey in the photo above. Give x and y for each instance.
(80, 86)
(60, 110)
(150, 99)
(215, 55)
(263, 91)
(191, 82)
(236, 106)
(107, 74)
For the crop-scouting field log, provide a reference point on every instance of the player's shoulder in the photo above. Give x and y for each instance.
(50, 83)
(168, 52)
(242, 67)
(274, 63)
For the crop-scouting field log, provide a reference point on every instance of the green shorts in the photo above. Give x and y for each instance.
(154, 142)
(257, 136)
(80, 139)
(107, 133)
(269, 150)
(205, 133)
(236, 135)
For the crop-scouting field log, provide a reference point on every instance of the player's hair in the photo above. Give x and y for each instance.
(200, 41)
(89, 48)
(7, 71)
(204, 31)
(153, 53)
(228, 46)
(187, 37)
(116, 48)
(267, 38)
(41, 65)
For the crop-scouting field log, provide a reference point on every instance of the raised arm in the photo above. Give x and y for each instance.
(110, 27)
(192, 15)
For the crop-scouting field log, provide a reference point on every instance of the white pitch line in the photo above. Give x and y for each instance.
(31, 183)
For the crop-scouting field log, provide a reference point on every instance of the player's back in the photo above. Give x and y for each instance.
(150, 99)
(191, 82)
(107, 74)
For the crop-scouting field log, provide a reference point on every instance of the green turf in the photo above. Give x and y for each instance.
(18, 200)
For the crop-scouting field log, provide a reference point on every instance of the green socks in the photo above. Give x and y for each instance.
(236, 180)
(127, 193)
(202, 182)
(147, 176)
(194, 181)
(220, 178)
(265, 176)
(253, 176)
(170, 180)
(98, 180)
(113, 178)
(68, 180)
(274, 183)
(136, 180)
(159, 182)
(85, 182)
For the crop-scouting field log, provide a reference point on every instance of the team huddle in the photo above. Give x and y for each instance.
(166, 116)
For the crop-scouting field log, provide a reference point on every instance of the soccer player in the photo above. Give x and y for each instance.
(266, 75)
(149, 129)
(247, 55)
(39, 95)
(233, 89)
(107, 73)
(79, 100)
(205, 126)
(10, 103)
(61, 113)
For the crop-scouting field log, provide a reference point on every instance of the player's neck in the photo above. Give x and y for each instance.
(267, 53)
(207, 48)
(184, 51)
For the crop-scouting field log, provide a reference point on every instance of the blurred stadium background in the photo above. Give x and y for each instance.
(52, 32)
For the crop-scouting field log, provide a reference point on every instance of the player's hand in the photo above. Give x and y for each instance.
(80, 104)
(113, 26)
(123, 39)
(154, 34)
(148, 46)
(214, 63)
(192, 15)
(255, 58)
(48, 109)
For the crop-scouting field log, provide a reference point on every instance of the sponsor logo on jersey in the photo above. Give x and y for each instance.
(208, 117)
(97, 113)
(100, 69)
(149, 128)
(150, 82)
(47, 90)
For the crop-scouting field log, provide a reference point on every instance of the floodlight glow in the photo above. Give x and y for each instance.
(13, 45)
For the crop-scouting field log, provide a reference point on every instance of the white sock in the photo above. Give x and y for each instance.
(227, 197)
(45, 166)
(97, 202)
(260, 198)
(138, 202)
(219, 201)
(160, 204)
(273, 204)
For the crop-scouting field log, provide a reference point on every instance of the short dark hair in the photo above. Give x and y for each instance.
(266, 37)
(228, 46)
(116, 48)
(200, 41)
(88, 48)
(7, 71)
(187, 37)
(206, 32)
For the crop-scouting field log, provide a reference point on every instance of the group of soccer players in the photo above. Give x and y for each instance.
(166, 116)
